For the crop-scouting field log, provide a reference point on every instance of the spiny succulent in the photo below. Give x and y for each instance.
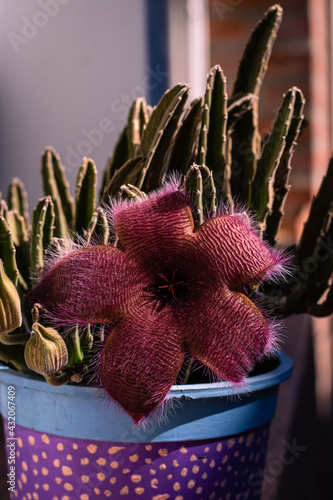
(171, 269)
(167, 288)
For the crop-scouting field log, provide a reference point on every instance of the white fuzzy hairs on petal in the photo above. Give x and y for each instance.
(116, 204)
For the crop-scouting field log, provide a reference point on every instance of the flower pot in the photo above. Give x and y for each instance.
(70, 442)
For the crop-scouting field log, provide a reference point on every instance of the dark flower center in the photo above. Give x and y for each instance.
(170, 286)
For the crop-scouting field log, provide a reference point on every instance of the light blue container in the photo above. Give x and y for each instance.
(206, 442)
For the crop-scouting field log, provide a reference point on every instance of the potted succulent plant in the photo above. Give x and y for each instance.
(111, 301)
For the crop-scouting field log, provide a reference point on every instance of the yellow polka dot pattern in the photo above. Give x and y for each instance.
(58, 468)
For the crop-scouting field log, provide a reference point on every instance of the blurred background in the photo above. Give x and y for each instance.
(70, 70)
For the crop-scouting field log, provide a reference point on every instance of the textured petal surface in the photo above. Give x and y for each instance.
(155, 231)
(234, 250)
(141, 360)
(227, 332)
(92, 285)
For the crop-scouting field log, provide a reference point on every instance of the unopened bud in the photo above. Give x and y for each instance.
(45, 352)
(10, 304)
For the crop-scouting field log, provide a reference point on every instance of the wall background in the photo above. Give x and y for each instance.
(66, 65)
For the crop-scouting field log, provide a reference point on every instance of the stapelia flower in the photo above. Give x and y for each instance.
(166, 289)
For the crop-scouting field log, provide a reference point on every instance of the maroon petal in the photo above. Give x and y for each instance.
(91, 285)
(155, 231)
(226, 332)
(236, 252)
(140, 361)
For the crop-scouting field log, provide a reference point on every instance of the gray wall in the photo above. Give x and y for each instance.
(67, 67)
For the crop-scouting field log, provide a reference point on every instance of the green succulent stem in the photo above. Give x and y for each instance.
(281, 185)
(8, 252)
(261, 189)
(157, 136)
(320, 206)
(85, 194)
(75, 351)
(86, 339)
(58, 380)
(56, 185)
(253, 65)
(18, 200)
(14, 355)
(98, 228)
(43, 219)
(14, 338)
(119, 157)
(194, 189)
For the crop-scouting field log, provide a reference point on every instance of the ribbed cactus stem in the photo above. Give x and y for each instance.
(261, 189)
(145, 113)
(216, 127)
(320, 206)
(8, 251)
(185, 142)
(115, 161)
(209, 191)
(56, 185)
(137, 120)
(21, 240)
(227, 194)
(86, 339)
(157, 136)
(98, 228)
(75, 352)
(193, 189)
(17, 199)
(245, 152)
(129, 173)
(42, 231)
(320, 265)
(3, 209)
(251, 70)
(18, 227)
(238, 104)
(281, 185)
(85, 194)
(132, 192)
(55, 247)
(253, 64)
(202, 148)
(325, 308)
(313, 277)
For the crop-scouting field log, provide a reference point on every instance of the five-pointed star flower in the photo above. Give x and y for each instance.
(166, 289)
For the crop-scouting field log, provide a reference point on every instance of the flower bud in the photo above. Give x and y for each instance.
(45, 352)
(10, 305)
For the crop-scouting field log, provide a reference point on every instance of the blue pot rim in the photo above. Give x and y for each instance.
(253, 384)
(189, 391)
(200, 411)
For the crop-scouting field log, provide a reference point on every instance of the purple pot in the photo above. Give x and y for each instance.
(70, 443)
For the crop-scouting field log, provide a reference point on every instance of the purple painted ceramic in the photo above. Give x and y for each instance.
(70, 443)
(51, 467)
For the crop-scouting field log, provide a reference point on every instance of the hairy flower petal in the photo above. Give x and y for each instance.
(227, 333)
(96, 284)
(237, 253)
(168, 288)
(155, 231)
(141, 360)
